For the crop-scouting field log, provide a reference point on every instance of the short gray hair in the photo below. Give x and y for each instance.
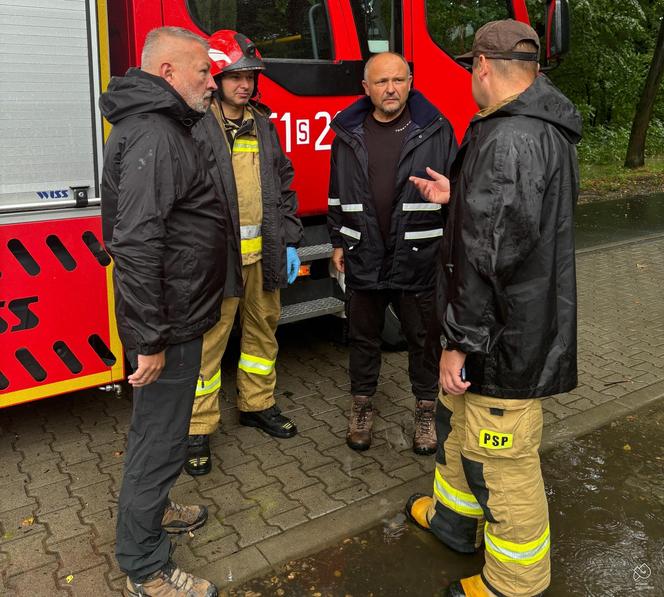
(368, 63)
(155, 37)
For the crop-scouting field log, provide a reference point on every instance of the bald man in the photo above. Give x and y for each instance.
(385, 236)
(164, 226)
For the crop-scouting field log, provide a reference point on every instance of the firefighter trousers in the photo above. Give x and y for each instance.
(488, 488)
(256, 376)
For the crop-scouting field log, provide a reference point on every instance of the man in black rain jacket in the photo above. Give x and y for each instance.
(507, 309)
(164, 226)
(386, 238)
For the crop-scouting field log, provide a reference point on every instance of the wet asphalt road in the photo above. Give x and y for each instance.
(606, 500)
(606, 222)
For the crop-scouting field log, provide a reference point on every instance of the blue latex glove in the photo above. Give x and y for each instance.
(292, 264)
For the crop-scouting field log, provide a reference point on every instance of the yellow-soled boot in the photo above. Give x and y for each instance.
(469, 587)
(416, 509)
(473, 586)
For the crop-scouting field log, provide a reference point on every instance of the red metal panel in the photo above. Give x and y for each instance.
(54, 297)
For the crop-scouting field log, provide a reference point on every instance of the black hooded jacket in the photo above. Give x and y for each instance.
(280, 226)
(507, 291)
(406, 261)
(163, 222)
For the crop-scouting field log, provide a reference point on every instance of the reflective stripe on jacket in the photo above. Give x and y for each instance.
(280, 227)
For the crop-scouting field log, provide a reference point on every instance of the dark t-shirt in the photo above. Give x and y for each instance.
(384, 141)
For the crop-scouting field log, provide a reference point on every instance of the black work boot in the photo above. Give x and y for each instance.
(269, 420)
(199, 460)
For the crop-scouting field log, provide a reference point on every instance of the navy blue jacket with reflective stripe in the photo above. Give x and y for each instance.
(406, 261)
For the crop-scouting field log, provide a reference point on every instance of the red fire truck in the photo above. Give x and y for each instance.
(57, 328)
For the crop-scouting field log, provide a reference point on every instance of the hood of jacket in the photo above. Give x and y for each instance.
(139, 92)
(422, 112)
(543, 100)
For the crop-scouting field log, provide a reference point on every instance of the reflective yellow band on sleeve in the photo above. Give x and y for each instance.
(251, 245)
(518, 553)
(204, 387)
(253, 364)
(458, 501)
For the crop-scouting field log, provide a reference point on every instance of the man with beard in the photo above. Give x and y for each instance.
(164, 225)
(385, 236)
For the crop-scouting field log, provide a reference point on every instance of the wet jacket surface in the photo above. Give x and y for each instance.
(163, 222)
(280, 226)
(507, 289)
(406, 260)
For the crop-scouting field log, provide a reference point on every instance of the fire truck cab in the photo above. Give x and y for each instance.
(57, 328)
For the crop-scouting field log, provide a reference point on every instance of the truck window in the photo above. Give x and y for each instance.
(292, 29)
(452, 23)
(379, 25)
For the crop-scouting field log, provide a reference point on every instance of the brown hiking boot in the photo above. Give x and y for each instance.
(358, 435)
(424, 439)
(182, 519)
(170, 581)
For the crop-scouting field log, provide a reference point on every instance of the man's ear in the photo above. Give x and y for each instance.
(482, 66)
(166, 71)
(366, 87)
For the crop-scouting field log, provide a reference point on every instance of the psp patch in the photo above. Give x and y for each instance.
(493, 440)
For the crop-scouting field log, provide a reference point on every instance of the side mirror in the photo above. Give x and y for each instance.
(557, 32)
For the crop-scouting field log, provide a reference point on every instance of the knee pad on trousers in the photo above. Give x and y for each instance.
(474, 473)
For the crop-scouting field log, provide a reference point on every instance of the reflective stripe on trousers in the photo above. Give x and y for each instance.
(253, 364)
(518, 553)
(459, 501)
(207, 387)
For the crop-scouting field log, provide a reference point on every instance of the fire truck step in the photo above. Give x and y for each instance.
(323, 306)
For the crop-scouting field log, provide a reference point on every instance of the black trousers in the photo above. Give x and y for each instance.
(365, 310)
(156, 452)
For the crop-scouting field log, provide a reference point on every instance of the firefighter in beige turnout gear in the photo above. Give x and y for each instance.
(245, 148)
(507, 314)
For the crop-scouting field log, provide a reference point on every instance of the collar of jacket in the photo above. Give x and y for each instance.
(422, 113)
(180, 110)
(544, 101)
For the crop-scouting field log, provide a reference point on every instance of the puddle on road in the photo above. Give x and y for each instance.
(605, 222)
(606, 499)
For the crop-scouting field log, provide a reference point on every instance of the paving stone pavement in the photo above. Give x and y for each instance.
(61, 459)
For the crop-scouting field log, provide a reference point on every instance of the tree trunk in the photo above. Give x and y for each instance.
(637, 140)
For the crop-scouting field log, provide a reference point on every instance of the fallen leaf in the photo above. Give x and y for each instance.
(627, 448)
(337, 573)
(281, 592)
(69, 579)
(28, 522)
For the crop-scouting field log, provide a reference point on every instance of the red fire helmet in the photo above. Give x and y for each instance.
(231, 51)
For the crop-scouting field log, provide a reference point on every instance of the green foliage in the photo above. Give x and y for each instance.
(607, 144)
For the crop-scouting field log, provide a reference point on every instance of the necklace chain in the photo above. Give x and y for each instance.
(403, 128)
